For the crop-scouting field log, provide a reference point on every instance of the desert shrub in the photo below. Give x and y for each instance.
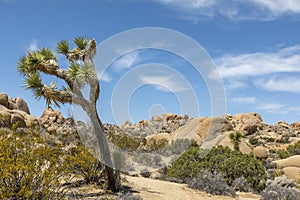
(188, 165)
(29, 169)
(270, 139)
(155, 145)
(236, 139)
(148, 159)
(119, 160)
(277, 173)
(241, 184)
(233, 164)
(126, 142)
(282, 154)
(291, 151)
(276, 192)
(282, 181)
(128, 196)
(81, 162)
(253, 140)
(294, 149)
(212, 184)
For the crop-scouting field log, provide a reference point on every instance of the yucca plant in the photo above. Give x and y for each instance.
(81, 72)
(236, 139)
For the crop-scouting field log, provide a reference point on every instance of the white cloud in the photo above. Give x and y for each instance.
(236, 10)
(285, 84)
(274, 108)
(234, 84)
(104, 76)
(279, 7)
(259, 63)
(126, 61)
(33, 45)
(244, 100)
(164, 83)
(265, 105)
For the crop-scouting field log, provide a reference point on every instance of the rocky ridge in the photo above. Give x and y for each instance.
(259, 138)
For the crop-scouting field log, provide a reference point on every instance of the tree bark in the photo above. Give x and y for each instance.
(103, 147)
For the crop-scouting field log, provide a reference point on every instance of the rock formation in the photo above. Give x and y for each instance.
(13, 111)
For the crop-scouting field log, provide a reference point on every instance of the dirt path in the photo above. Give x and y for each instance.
(151, 189)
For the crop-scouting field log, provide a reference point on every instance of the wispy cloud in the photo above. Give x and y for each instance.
(274, 108)
(259, 63)
(285, 84)
(126, 61)
(234, 84)
(264, 105)
(33, 45)
(244, 100)
(104, 76)
(164, 83)
(262, 10)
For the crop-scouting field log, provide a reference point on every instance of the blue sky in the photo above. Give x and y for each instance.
(254, 45)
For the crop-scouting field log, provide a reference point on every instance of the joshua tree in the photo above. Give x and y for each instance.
(236, 139)
(80, 72)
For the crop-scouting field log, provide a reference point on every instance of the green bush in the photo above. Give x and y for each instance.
(126, 142)
(294, 149)
(80, 161)
(253, 140)
(29, 169)
(270, 139)
(33, 169)
(233, 164)
(291, 151)
(283, 154)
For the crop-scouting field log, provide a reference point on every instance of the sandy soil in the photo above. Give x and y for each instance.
(151, 189)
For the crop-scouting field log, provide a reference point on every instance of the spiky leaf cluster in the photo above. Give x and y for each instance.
(44, 60)
(63, 47)
(81, 42)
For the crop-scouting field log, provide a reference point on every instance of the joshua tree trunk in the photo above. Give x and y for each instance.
(104, 149)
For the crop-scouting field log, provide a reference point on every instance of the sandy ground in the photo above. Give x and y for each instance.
(151, 189)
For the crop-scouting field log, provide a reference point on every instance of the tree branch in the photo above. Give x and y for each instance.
(51, 67)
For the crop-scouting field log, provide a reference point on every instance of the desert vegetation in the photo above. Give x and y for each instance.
(219, 162)
(32, 168)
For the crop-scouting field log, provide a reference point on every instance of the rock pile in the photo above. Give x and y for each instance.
(15, 110)
(54, 122)
(167, 123)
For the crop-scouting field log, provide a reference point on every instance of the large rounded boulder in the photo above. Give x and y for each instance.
(260, 152)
